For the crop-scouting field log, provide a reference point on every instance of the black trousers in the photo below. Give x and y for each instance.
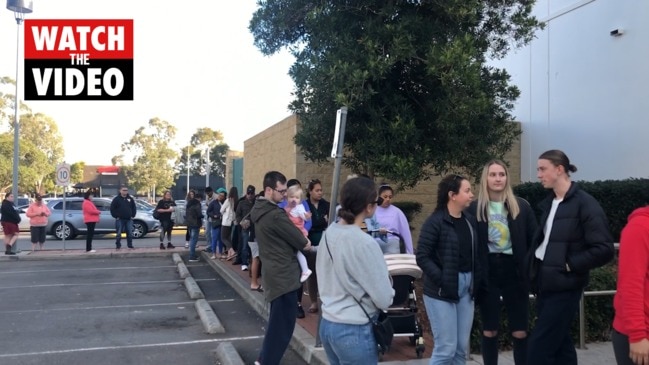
(90, 234)
(621, 348)
(550, 342)
(281, 323)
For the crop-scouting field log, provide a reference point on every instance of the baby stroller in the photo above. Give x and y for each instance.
(404, 271)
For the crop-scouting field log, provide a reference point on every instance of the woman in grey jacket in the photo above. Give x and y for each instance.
(447, 254)
(354, 279)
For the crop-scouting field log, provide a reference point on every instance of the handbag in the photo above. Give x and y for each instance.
(381, 326)
(217, 221)
(156, 214)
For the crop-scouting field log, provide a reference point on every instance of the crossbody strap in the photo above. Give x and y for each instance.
(332, 260)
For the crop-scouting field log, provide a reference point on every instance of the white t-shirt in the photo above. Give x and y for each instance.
(540, 251)
(299, 212)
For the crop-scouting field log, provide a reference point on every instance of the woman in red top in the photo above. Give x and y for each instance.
(90, 218)
(631, 323)
(37, 214)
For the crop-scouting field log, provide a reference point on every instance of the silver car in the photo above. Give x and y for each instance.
(143, 223)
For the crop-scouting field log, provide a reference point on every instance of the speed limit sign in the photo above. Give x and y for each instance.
(62, 174)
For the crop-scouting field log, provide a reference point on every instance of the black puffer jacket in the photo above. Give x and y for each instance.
(580, 237)
(521, 233)
(438, 255)
(8, 212)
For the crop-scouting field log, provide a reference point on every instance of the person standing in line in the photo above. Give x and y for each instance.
(37, 214)
(296, 213)
(447, 253)
(165, 208)
(319, 208)
(194, 222)
(190, 196)
(354, 279)
(209, 196)
(631, 322)
(227, 210)
(242, 215)
(214, 215)
(573, 238)
(506, 226)
(389, 218)
(279, 240)
(9, 220)
(123, 209)
(90, 217)
(255, 263)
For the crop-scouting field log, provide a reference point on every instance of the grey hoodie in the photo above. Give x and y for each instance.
(279, 240)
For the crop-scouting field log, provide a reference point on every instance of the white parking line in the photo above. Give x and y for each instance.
(96, 284)
(87, 269)
(189, 303)
(54, 352)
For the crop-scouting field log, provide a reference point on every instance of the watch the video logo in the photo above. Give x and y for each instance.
(86, 59)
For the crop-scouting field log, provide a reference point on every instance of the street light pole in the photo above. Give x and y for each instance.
(20, 8)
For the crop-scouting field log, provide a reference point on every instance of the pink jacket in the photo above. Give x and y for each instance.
(36, 216)
(90, 211)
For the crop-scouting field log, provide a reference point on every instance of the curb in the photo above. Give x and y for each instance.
(81, 255)
(193, 289)
(183, 271)
(176, 258)
(226, 354)
(211, 322)
(302, 342)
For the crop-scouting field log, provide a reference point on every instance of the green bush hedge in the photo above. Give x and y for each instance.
(410, 209)
(618, 198)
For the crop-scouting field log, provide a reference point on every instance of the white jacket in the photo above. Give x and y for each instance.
(227, 210)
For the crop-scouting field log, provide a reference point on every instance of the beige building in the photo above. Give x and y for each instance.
(274, 149)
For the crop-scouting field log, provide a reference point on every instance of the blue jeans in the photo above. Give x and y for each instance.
(244, 250)
(124, 225)
(215, 242)
(193, 239)
(348, 343)
(451, 325)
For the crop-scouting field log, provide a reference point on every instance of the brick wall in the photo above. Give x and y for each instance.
(274, 149)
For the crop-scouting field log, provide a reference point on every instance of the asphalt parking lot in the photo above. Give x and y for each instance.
(118, 310)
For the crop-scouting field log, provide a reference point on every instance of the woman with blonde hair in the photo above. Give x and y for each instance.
(506, 226)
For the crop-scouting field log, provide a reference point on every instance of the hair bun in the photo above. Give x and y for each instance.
(572, 168)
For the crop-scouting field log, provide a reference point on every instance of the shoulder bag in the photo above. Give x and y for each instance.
(381, 327)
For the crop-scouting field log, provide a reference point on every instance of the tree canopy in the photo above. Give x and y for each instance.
(414, 75)
(204, 139)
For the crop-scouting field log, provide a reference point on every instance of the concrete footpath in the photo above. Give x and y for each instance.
(304, 336)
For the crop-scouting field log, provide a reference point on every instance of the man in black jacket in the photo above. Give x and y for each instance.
(123, 209)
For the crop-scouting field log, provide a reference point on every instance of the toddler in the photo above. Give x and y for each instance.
(298, 215)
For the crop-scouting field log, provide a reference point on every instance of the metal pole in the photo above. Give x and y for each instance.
(188, 170)
(207, 177)
(337, 155)
(582, 323)
(63, 227)
(14, 188)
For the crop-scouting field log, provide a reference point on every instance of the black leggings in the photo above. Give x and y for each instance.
(89, 234)
(166, 227)
(621, 348)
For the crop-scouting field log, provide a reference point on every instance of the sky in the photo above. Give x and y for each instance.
(194, 66)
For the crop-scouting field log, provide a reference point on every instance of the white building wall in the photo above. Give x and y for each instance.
(584, 91)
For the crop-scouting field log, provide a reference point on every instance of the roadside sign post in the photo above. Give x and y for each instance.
(63, 179)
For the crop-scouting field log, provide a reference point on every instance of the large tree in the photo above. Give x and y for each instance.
(204, 139)
(422, 98)
(152, 155)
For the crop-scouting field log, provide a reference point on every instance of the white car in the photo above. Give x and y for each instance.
(23, 226)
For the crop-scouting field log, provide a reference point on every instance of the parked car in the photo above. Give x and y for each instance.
(144, 205)
(143, 223)
(180, 212)
(23, 226)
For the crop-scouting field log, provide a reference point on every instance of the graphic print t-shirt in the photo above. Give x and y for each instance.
(499, 238)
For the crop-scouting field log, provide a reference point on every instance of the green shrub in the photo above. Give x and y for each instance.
(409, 208)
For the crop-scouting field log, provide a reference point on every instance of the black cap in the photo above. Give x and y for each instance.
(250, 189)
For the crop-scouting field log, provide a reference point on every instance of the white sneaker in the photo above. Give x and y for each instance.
(213, 257)
(91, 251)
(186, 244)
(244, 267)
(305, 275)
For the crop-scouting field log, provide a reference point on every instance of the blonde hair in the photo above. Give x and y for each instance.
(511, 204)
(294, 190)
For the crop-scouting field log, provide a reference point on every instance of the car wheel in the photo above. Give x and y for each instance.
(139, 229)
(59, 229)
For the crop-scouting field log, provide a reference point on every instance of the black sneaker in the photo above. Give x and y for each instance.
(169, 245)
(162, 246)
(10, 253)
(193, 259)
(300, 311)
